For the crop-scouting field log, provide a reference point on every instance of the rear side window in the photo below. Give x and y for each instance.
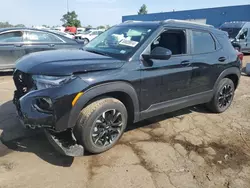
(10, 37)
(35, 36)
(203, 42)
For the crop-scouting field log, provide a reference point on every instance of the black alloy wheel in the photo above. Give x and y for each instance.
(107, 128)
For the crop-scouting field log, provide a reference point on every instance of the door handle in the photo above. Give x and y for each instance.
(185, 63)
(222, 59)
(18, 45)
(51, 45)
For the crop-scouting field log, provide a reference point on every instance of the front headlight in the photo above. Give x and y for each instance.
(43, 82)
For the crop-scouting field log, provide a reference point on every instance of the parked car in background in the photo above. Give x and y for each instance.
(136, 70)
(17, 42)
(63, 34)
(239, 34)
(88, 35)
(71, 30)
(62, 29)
(80, 30)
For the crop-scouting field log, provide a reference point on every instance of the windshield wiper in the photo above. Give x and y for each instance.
(98, 52)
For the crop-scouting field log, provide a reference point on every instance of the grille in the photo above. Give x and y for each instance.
(23, 82)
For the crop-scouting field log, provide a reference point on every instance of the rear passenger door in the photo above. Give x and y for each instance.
(11, 48)
(243, 40)
(36, 41)
(208, 59)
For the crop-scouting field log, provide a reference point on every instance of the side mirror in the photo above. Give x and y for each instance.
(158, 53)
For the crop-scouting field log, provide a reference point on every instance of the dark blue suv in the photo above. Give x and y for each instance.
(84, 99)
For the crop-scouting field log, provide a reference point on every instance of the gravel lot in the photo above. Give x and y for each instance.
(186, 149)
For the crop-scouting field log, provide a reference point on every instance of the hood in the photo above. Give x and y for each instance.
(65, 62)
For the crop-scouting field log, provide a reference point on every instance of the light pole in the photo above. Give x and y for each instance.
(67, 5)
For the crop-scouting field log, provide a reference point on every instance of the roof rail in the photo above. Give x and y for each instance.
(128, 21)
(185, 22)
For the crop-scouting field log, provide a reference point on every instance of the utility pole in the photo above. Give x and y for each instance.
(67, 5)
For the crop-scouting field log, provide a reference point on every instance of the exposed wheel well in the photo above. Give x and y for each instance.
(234, 78)
(124, 98)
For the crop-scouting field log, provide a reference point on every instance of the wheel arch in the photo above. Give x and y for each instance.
(120, 90)
(232, 73)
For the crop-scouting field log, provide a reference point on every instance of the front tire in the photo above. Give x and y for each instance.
(223, 96)
(101, 124)
(86, 41)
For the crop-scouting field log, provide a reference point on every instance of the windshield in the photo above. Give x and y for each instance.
(86, 32)
(120, 42)
(232, 32)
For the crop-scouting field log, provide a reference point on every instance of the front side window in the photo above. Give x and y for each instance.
(35, 36)
(11, 37)
(232, 32)
(172, 39)
(121, 41)
(202, 42)
(243, 34)
(100, 32)
(94, 33)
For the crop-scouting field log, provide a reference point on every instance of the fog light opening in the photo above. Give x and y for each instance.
(44, 104)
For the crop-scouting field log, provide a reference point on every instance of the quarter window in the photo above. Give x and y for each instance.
(203, 42)
(15, 36)
(34, 36)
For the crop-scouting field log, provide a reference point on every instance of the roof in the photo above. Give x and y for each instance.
(141, 23)
(21, 28)
(169, 22)
(236, 24)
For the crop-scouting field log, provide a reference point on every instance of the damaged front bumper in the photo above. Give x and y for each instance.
(56, 119)
(65, 143)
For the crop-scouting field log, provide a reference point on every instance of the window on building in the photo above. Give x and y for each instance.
(203, 42)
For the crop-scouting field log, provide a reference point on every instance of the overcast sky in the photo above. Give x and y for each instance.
(94, 12)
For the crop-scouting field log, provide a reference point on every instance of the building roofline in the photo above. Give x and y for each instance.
(201, 9)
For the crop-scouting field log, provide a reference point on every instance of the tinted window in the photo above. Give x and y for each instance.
(34, 36)
(15, 36)
(202, 42)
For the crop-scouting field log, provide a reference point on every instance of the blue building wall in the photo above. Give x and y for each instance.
(214, 16)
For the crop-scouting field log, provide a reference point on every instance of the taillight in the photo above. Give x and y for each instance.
(240, 55)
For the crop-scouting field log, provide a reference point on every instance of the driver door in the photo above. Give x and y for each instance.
(167, 80)
(243, 40)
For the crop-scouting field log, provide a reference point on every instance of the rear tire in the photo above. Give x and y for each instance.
(223, 96)
(101, 124)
